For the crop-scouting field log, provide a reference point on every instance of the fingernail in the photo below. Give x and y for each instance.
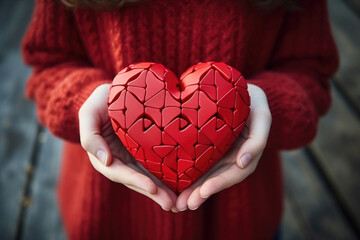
(245, 159)
(181, 210)
(165, 209)
(174, 210)
(101, 155)
(195, 208)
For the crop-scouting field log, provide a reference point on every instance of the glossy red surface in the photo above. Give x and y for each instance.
(178, 128)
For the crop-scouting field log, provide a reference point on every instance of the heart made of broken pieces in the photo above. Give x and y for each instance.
(178, 128)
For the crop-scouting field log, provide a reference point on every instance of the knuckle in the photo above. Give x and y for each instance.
(108, 175)
(95, 166)
(261, 144)
(85, 142)
(112, 178)
(99, 168)
(252, 169)
(258, 145)
(167, 204)
(126, 182)
(130, 179)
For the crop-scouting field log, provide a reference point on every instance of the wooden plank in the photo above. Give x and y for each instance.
(42, 220)
(312, 204)
(292, 226)
(345, 26)
(17, 116)
(17, 136)
(336, 148)
(354, 5)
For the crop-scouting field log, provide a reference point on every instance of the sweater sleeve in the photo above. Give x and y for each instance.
(296, 81)
(62, 76)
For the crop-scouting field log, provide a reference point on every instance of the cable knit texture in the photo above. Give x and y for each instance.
(290, 55)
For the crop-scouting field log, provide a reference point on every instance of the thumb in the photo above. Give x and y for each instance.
(90, 134)
(96, 146)
(259, 126)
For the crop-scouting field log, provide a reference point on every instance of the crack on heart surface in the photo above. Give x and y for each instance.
(178, 128)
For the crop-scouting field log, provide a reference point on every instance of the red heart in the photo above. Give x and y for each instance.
(178, 129)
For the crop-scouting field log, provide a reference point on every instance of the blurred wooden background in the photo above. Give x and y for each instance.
(322, 181)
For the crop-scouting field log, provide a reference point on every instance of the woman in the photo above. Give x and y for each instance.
(286, 56)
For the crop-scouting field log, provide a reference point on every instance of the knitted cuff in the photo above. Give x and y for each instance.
(62, 118)
(87, 91)
(294, 118)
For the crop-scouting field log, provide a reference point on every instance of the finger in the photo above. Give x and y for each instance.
(90, 138)
(164, 196)
(161, 185)
(181, 202)
(164, 187)
(259, 127)
(224, 178)
(157, 181)
(121, 173)
(92, 116)
(195, 200)
(182, 199)
(137, 181)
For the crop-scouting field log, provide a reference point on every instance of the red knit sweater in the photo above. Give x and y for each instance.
(290, 55)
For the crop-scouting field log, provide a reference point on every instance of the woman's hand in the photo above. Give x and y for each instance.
(109, 156)
(241, 159)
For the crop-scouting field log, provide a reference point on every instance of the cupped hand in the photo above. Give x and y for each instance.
(109, 156)
(241, 159)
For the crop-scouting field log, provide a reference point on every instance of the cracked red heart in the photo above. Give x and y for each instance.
(178, 129)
